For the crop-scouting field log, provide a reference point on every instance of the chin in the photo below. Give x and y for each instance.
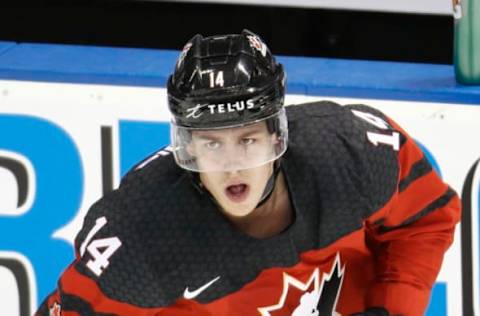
(237, 210)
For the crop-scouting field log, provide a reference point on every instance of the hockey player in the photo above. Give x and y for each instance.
(351, 219)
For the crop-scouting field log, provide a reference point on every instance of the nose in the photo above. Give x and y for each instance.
(234, 158)
(232, 173)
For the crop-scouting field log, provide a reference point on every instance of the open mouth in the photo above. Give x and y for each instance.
(238, 192)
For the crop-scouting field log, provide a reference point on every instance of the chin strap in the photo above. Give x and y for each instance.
(267, 192)
(270, 184)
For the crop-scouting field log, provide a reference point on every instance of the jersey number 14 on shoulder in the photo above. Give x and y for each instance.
(392, 139)
(100, 249)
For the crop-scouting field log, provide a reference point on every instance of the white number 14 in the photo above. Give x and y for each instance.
(100, 249)
(392, 139)
(216, 82)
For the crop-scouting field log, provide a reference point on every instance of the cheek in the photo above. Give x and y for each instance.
(203, 163)
(211, 182)
(260, 176)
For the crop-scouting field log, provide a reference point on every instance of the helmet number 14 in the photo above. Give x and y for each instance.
(216, 80)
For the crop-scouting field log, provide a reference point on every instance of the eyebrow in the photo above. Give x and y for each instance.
(206, 137)
(253, 131)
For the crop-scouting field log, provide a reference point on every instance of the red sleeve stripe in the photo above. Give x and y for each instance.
(70, 313)
(416, 196)
(418, 170)
(54, 297)
(409, 152)
(408, 156)
(76, 284)
(437, 204)
(76, 304)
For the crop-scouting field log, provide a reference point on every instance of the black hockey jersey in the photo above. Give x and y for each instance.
(372, 223)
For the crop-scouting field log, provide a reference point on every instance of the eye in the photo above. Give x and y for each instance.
(213, 145)
(248, 141)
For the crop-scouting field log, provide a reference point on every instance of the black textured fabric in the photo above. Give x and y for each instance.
(173, 237)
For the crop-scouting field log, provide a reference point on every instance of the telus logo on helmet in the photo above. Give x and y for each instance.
(229, 107)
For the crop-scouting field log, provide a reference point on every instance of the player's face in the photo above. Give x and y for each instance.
(239, 190)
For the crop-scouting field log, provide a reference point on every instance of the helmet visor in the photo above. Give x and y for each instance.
(230, 148)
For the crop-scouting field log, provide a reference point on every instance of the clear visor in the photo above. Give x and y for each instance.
(232, 148)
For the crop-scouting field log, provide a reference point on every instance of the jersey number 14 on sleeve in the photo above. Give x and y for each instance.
(100, 249)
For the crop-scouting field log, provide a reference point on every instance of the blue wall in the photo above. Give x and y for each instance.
(311, 76)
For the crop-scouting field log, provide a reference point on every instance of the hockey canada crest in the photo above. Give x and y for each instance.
(318, 296)
(257, 43)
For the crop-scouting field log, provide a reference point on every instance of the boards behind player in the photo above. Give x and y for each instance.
(262, 210)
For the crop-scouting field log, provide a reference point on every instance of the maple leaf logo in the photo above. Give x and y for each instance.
(316, 297)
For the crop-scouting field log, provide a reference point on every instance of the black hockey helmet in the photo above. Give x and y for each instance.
(223, 81)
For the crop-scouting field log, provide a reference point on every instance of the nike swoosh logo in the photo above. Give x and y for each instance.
(189, 295)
